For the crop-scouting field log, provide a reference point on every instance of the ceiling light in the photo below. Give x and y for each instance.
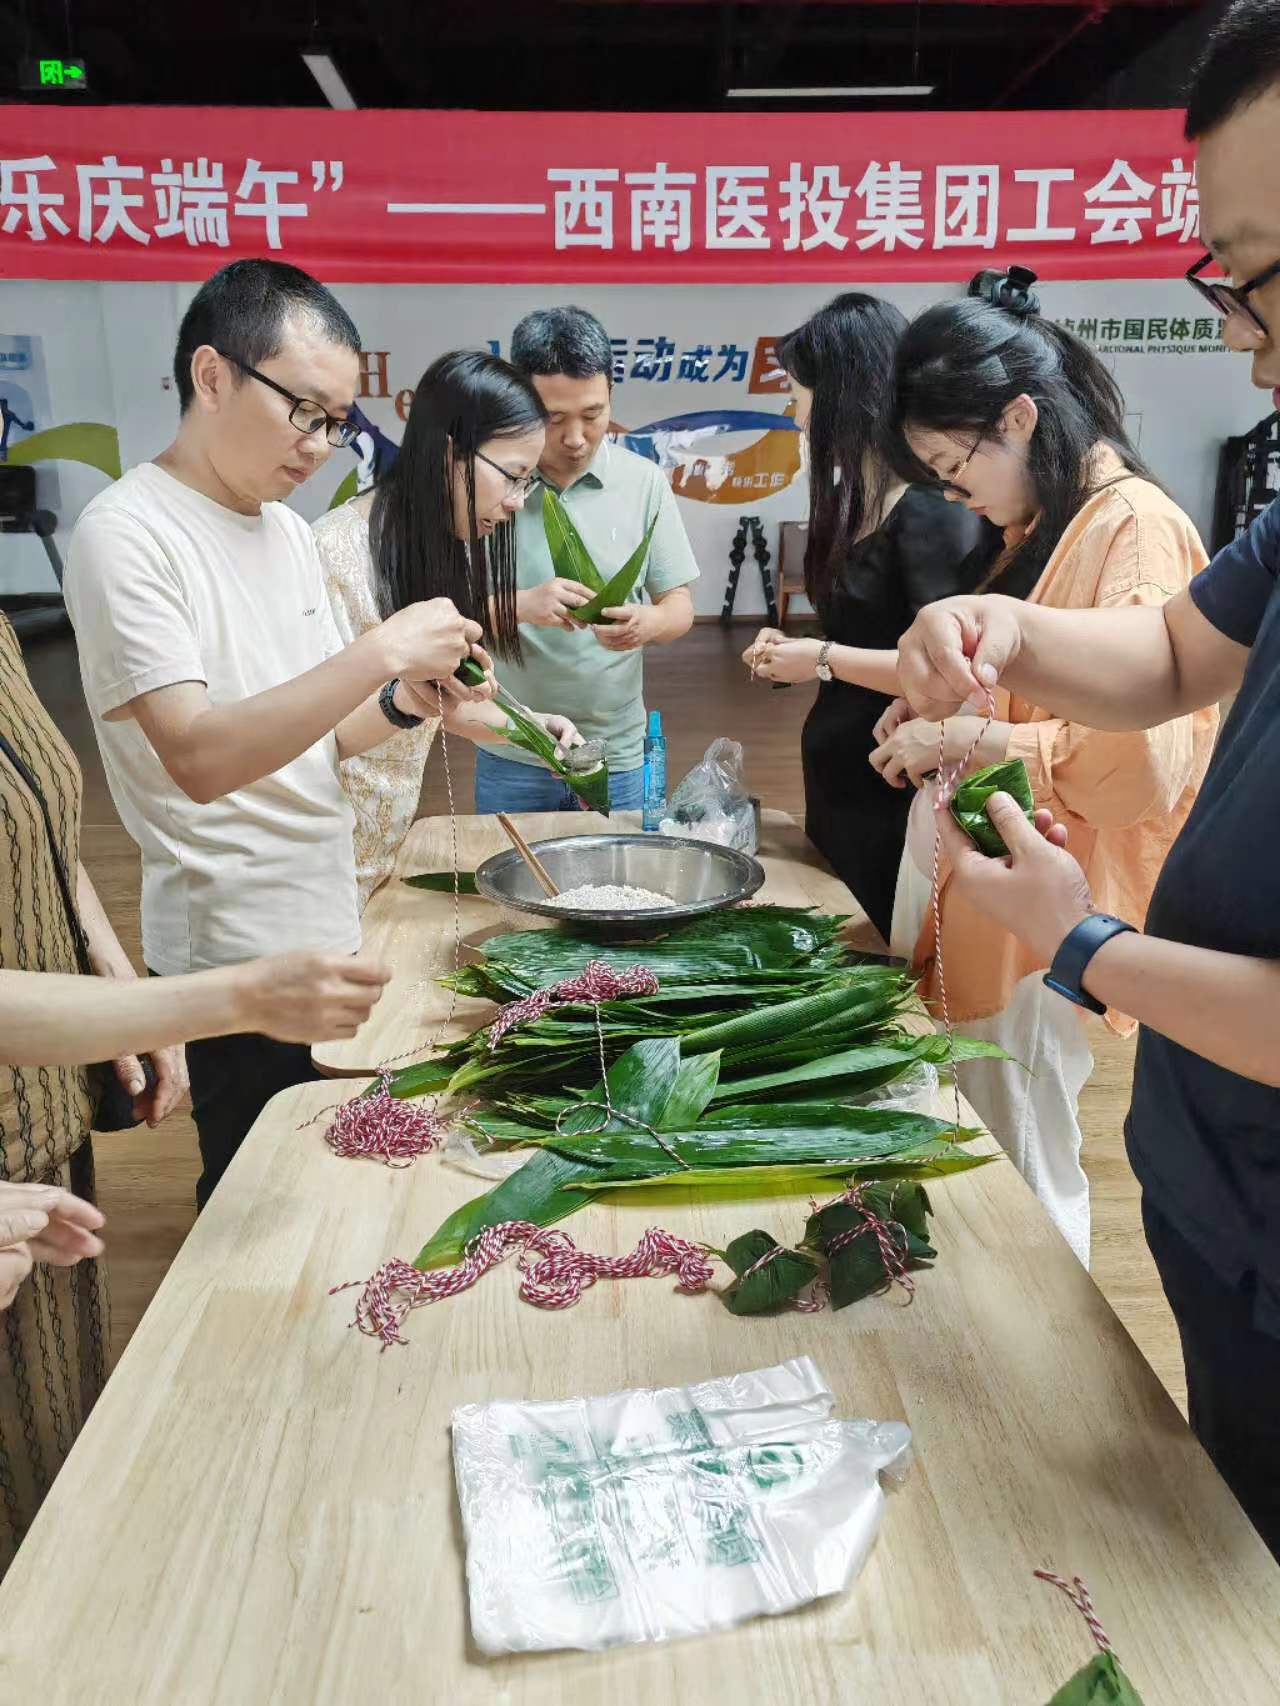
(327, 75)
(854, 92)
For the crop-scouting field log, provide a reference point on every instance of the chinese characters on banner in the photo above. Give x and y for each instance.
(165, 193)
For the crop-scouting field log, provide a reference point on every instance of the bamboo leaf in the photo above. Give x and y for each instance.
(617, 589)
(569, 555)
(441, 882)
(871, 1059)
(538, 1192)
(780, 1279)
(969, 803)
(641, 1083)
(423, 1078)
(694, 1087)
(729, 1183)
(783, 1019)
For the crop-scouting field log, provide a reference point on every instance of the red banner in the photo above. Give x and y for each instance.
(457, 197)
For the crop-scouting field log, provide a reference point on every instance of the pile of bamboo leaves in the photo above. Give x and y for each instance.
(773, 991)
(749, 1067)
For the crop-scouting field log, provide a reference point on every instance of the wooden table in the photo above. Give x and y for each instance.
(261, 1508)
(412, 932)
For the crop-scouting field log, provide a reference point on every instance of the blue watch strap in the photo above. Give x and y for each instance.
(1075, 951)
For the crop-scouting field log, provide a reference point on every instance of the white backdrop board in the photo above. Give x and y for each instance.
(681, 351)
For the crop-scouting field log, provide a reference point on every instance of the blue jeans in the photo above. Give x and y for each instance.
(504, 785)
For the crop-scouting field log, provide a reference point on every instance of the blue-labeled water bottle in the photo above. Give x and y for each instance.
(655, 774)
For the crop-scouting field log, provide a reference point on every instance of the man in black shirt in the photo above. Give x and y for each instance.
(1204, 977)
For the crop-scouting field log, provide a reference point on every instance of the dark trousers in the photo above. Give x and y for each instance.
(1233, 1374)
(232, 1080)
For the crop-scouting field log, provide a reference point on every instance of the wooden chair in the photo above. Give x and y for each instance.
(790, 577)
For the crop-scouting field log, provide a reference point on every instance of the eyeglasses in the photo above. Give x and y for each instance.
(520, 485)
(1231, 299)
(304, 415)
(950, 485)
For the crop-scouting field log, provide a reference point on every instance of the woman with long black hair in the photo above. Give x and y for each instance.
(437, 525)
(877, 550)
(1018, 421)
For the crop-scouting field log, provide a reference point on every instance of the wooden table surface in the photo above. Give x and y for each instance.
(261, 1508)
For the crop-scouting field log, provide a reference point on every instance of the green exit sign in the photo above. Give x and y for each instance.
(62, 75)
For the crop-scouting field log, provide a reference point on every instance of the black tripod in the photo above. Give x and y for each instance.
(749, 526)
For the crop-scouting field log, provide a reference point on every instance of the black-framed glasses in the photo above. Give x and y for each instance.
(519, 485)
(1231, 299)
(304, 415)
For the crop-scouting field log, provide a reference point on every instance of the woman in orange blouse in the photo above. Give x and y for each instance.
(1022, 423)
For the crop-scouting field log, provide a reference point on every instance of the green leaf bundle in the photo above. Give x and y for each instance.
(522, 731)
(781, 1278)
(1101, 1683)
(969, 803)
(840, 1245)
(572, 561)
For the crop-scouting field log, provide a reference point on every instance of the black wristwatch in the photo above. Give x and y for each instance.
(1075, 951)
(391, 711)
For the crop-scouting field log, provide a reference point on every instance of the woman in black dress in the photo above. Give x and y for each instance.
(877, 551)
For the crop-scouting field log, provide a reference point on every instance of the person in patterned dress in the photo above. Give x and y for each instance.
(54, 1334)
(438, 524)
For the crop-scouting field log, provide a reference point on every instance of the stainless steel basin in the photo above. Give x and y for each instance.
(700, 876)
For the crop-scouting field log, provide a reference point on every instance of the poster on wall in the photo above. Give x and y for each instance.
(24, 408)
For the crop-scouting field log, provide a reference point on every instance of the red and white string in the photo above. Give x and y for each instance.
(376, 1125)
(554, 1273)
(1079, 1596)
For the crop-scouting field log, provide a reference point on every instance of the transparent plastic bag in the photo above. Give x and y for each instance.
(646, 1515)
(463, 1152)
(711, 804)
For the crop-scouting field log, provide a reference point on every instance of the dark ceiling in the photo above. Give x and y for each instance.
(619, 56)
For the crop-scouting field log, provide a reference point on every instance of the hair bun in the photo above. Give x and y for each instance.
(1011, 290)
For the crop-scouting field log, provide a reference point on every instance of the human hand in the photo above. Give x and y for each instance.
(1038, 893)
(630, 627)
(754, 651)
(306, 997)
(42, 1223)
(910, 752)
(561, 730)
(957, 650)
(435, 698)
(551, 604)
(426, 641)
(158, 1101)
(897, 712)
(779, 659)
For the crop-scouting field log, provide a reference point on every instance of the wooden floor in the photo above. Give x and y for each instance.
(147, 1179)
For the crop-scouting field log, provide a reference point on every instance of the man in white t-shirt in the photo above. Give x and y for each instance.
(222, 695)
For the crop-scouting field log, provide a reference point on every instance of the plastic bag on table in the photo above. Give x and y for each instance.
(463, 1152)
(711, 804)
(645, 1515)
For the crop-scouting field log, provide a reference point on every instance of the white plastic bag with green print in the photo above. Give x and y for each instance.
(645, 1515)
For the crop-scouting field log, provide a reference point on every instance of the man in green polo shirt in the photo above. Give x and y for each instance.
(595, 675)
